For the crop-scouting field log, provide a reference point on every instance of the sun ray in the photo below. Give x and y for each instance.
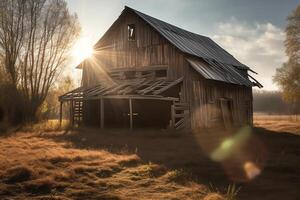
(82, 49)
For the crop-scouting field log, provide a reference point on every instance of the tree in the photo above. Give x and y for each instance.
(35, 39)
(288, 76)
(51, 105)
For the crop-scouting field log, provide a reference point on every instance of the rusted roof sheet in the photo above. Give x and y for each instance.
(220, 72)
(191, 43)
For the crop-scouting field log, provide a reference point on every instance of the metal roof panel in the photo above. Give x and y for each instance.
(220, 72)
(191, 43)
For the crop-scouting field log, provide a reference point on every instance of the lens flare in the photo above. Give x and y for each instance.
(229, 145)
(251, 170)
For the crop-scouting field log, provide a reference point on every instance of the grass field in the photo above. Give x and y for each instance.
(256, 163)
(41, 166)
(278, 123)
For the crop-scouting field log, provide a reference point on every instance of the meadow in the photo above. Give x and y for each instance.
(278, 123)
(44, 162)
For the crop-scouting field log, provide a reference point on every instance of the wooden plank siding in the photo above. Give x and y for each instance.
(114, 50)
(204, 99)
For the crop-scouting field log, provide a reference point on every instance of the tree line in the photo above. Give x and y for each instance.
(35, 42)
(271, 102)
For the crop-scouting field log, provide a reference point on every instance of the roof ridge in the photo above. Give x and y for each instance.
(189, 42)
(167, 23)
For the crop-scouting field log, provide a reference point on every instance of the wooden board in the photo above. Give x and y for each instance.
(226, 112)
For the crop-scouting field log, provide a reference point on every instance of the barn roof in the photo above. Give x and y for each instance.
(220, 72)
(190, 43)
(147, 88)
(222, 65)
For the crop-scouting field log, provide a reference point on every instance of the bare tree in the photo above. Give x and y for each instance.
(35, 39)
(12, 14)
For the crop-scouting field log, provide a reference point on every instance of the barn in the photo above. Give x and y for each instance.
(146, 73)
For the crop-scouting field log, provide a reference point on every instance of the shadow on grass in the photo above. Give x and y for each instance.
(174, 150)
(276, 155)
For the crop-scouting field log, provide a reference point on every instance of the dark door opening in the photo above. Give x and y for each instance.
(146, 113)
(116, 113)
(91, 113)
(151, 113)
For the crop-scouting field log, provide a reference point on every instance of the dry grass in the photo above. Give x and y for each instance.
(117, 164)
(46, 126)
(34, 167)
(43, 126)
(279, 123)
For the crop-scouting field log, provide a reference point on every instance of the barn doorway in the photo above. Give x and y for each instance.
(116, 113)
(146, 113)
(91, 113)
(151, 113)
(127, 113)
(226, 109)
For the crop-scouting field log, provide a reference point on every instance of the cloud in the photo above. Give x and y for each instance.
(259, 46)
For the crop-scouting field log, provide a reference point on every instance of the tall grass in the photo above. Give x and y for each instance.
(278, 123)
(47, 125)
(230, 193)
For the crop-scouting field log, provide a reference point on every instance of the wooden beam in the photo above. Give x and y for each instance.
(130, 113)
(151, 87)
(140, 68)
(102, 113)
(71, 114)
(179, 115)
(169, 85)
(152, 97)
(172, 116)
(60, 113)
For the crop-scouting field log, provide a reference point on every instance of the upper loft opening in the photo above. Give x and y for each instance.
(131, 32)
(143, 72)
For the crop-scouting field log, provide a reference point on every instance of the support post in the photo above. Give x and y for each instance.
(60, 113)
(173, 115)
(130, 113)
(101, 113)
(71, 114)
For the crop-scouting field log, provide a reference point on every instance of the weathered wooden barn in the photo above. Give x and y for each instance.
(148, 73)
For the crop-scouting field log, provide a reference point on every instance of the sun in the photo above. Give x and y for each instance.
(82, 49)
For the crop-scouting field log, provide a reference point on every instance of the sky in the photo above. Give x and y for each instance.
(252, 31)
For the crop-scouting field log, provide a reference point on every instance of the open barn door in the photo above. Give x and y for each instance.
(226, 109)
